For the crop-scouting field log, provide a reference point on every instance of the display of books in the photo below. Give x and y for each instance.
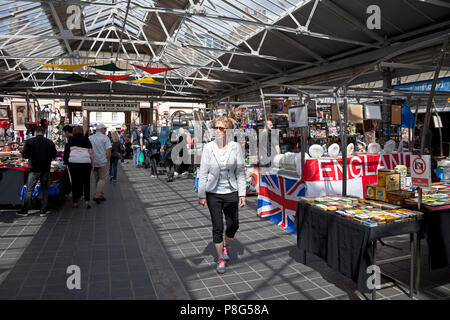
(367, 212)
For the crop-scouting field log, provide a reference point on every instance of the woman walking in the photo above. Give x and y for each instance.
(78, 154)
(222, 186)
(116, 154)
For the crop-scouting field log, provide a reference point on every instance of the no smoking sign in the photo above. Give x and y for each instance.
(421, 171)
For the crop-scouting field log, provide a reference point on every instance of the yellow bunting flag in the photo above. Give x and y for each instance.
(70, 67)
(145, 80)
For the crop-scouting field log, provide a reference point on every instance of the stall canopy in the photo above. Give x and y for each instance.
(213, 48)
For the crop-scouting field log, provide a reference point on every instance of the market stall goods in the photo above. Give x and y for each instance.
(367, 212)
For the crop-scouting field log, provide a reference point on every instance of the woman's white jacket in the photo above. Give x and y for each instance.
(210, 169)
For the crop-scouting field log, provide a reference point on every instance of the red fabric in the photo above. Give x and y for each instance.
(318, 173)
(4, 124)
(16, 168)
(153, 70)
(113, 78)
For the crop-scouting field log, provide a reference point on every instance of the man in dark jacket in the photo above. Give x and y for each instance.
(167, 162)
(40, 151)
(153, 147)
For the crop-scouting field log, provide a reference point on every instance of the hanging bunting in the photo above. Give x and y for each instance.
(113, 78)
(70, 67)
(145, 80)
(76, 78)
(109, 67)
(153, 70)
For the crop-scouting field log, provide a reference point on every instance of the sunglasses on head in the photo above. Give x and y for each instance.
(222, 129)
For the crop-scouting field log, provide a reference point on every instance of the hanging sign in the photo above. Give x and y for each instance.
(298, 117)
(421, 171)
(110, 106)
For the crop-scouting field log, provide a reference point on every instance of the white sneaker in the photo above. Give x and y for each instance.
(175, 173)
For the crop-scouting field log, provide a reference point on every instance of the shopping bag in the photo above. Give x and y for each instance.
(196, 179)
(36, 192)
(141, 157)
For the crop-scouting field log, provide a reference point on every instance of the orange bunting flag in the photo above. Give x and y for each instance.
(145, 80)
(113, 78)
(70, 67)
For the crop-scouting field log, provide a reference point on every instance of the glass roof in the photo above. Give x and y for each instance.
(198, 33)
(28, 18)
(198, 41)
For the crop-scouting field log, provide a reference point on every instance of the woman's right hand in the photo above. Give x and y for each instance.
(202, 201)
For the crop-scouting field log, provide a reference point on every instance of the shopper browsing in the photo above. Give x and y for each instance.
(102, 155)
(268, 146)
(153, 152)
(222, 186)
(116, 154)
(79, 156)
(40, 151)
(137, 143)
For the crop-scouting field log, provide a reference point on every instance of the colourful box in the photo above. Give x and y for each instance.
(371, 191)
(392, 182)
(381, 194)
(381, 177)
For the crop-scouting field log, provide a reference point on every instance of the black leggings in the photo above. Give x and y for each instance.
(154, 164)
(229, 205)
(81, 180)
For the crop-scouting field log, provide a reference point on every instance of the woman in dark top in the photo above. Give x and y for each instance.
(116, 154)
(154, 149)
(167, 162)
(78, 154)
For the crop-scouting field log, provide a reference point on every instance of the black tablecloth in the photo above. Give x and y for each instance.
(344, 244)
(436, 231)
(437, 234)
(11, 183)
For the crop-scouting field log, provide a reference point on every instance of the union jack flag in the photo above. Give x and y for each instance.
(278, 198)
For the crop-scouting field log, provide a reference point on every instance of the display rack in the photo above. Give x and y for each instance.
(318, 133)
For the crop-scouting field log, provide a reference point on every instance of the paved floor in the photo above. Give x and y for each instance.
(150, 240)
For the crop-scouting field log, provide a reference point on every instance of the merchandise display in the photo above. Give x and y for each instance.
(367, 212)
(316, 151)
(333, 150)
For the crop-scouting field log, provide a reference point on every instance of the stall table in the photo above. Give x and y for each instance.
(347, 246)
(12, 180)
(436, 226)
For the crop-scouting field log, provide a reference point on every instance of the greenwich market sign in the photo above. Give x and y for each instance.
(110, 106)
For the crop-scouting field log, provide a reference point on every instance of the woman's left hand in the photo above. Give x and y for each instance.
(241, 202)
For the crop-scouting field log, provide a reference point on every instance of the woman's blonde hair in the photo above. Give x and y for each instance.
(227, 122)
(115, 136)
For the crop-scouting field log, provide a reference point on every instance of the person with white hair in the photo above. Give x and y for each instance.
(102, 156)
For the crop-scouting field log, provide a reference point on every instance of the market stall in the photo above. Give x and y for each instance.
(13, 178)
(344, 232)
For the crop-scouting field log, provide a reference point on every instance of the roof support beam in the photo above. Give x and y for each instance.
(60, 27)
(298, 45)
(436, 3)
(411, 66)
(344, 14)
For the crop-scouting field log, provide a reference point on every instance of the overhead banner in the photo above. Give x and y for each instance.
(110, 106)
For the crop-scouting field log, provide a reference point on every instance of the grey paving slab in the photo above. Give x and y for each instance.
(151, 240)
